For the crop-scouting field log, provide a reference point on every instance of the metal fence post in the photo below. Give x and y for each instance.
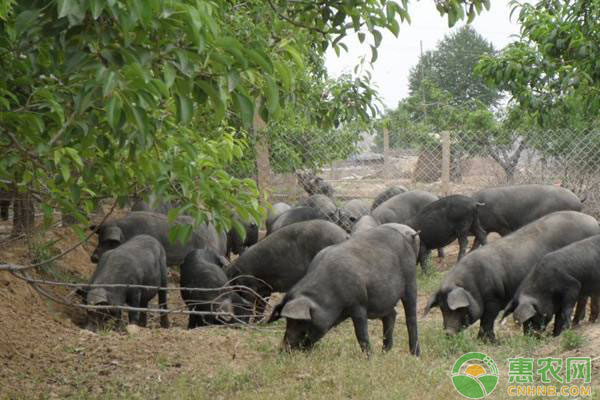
(445, 163)
(263, 164)
(334, 170)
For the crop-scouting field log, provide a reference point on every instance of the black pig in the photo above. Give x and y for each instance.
(139, 261)
(556, 284)
(485, 280)
(204, 269)
(362, 278)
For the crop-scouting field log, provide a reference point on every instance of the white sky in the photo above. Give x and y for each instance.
(397, 55)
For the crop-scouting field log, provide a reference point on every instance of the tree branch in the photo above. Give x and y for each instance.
(295, 23)
(62, 130)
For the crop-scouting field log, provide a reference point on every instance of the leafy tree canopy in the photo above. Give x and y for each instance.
(450, 68)
(100, 98)
(553, 67)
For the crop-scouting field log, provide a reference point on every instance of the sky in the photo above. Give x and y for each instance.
(397, 55)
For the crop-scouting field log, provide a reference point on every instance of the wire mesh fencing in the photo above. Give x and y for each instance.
(347, 167)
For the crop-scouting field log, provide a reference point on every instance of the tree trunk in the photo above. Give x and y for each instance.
(6, 198)
(23, 213)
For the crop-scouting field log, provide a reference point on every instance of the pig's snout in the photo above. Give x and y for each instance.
(452, 330)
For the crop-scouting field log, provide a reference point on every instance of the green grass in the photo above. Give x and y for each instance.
(335, 368)
(428, 282)
(571, 340)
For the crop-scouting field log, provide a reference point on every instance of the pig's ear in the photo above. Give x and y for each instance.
(433, 302)
(276, 314)
(510, 307)
(97, 296)
(226, 308)
(112, 233)
(222, 261)
(298, 308)
(524, 312)
(459, 297)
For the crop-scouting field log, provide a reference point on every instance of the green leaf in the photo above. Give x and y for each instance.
(184, 234)
(172, 214)
(184, 109)
(74, 156)
(233, 47)
(296, 56)
(394, 27)
(361, 37)
(260, 60)
(239, 228)
(169, 74)
(272, 95)
(172, 236)
(373, 54)
(109, 83)
(355, 22)
(339, 18)
(161, 87)
(141, 119)
(57, 156)
(246, 108)
(66, 173)
(72, 10)
(215, 97)
(96, 7)
(337, 50)
(25, 21)
(66, 7)
(233, 79)
(377, 36)
(113, 111)
(390, 12)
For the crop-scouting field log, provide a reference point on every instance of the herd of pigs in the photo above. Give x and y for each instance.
(359, 260)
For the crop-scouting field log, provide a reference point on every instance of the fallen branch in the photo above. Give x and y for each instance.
(34, 281)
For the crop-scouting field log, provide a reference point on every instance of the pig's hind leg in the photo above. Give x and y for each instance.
(361, 328)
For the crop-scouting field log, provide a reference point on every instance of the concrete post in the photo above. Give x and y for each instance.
(445, 163)
(263, 164)
(387, 161)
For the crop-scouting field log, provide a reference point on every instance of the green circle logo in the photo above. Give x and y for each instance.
(475, 375)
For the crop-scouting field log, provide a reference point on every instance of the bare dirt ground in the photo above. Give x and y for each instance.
(45, 353)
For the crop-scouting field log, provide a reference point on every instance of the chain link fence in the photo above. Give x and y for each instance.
(363, 165)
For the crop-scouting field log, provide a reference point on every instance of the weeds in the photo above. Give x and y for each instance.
(41, 251)
(428, 282)
(571, 340)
